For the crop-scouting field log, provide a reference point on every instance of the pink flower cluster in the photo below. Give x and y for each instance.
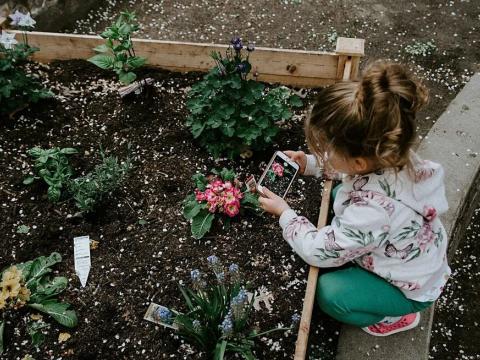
(221, 197)
(277, 169)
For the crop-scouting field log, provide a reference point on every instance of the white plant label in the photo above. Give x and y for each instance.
(81, 249)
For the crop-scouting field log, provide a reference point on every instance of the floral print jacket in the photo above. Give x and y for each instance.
(387, 223)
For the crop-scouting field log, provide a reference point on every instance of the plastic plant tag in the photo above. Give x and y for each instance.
(155, 313)
(264, 296)
(81, 249)
(251, 184)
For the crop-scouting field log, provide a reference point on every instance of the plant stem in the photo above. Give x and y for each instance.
(269, 331)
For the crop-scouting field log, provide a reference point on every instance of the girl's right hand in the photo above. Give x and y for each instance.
(299, 157)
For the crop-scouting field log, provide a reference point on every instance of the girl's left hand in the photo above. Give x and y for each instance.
(272, 203)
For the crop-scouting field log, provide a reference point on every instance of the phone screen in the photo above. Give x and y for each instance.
(279, 176)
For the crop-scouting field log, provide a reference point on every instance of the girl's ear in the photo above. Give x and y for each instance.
(361, 164)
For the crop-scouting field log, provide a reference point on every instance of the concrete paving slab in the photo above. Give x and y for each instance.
(454, 141)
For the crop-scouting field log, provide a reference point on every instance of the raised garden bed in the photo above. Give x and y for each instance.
(144, 245)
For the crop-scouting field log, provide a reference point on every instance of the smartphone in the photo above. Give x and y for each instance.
(279, 174)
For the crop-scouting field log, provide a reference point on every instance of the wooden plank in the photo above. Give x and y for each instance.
(355, 67)
(309, 300)
(302, 68)
(341, 66)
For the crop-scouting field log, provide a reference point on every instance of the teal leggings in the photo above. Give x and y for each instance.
(358, 297)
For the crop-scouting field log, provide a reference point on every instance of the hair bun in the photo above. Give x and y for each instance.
(383, 77)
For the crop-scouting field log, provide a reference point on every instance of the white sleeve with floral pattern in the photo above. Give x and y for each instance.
(359, 230)
(313, 168)
(316, 168)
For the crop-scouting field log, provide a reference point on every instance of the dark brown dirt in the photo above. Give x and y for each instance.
(456, 328)
(135, 264)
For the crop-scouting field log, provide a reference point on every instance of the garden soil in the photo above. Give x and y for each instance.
(145, 249)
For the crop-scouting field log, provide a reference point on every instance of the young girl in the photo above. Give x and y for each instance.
(386, 210)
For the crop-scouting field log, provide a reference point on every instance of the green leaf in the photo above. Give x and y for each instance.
(53, 192)
(227, 174)
(48, 288)
(34, 329)
(142, 222)
(25, 268)
(191, 207)
(220, 350)
(28, 180)
(69, 151)
(197, 129)
(41, 266)
(127, 77)
(35, 152)
(136, 61)
(23, 229)
(202, 223)
(102, 61)
(200, 181)
(295, 101)
(58, 311)
(250, 199)
(102, 48)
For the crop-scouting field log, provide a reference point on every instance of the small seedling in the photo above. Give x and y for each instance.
(23, 229)
(51, 166)
(419, 48)
(117, 53)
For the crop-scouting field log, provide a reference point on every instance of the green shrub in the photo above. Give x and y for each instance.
(88, 190)
(229, 113)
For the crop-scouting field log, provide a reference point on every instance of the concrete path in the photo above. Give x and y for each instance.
(454, 141)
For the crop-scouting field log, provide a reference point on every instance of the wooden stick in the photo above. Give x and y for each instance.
(309, 300)
(304, 329)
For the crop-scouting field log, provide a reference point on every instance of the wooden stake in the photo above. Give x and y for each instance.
(304, 329)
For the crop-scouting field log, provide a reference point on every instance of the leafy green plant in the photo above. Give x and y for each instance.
(230, 114)
(218, 194)
(217, 317)
(117, 53)
(51, 166)
(17, 89)
(31, 284)
(419, 48)
(36, 331)
(88, 190)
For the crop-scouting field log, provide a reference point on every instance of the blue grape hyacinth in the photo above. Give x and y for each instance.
(164, 314)
(227, 325)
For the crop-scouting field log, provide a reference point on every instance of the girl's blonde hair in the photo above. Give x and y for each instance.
(373, 117)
